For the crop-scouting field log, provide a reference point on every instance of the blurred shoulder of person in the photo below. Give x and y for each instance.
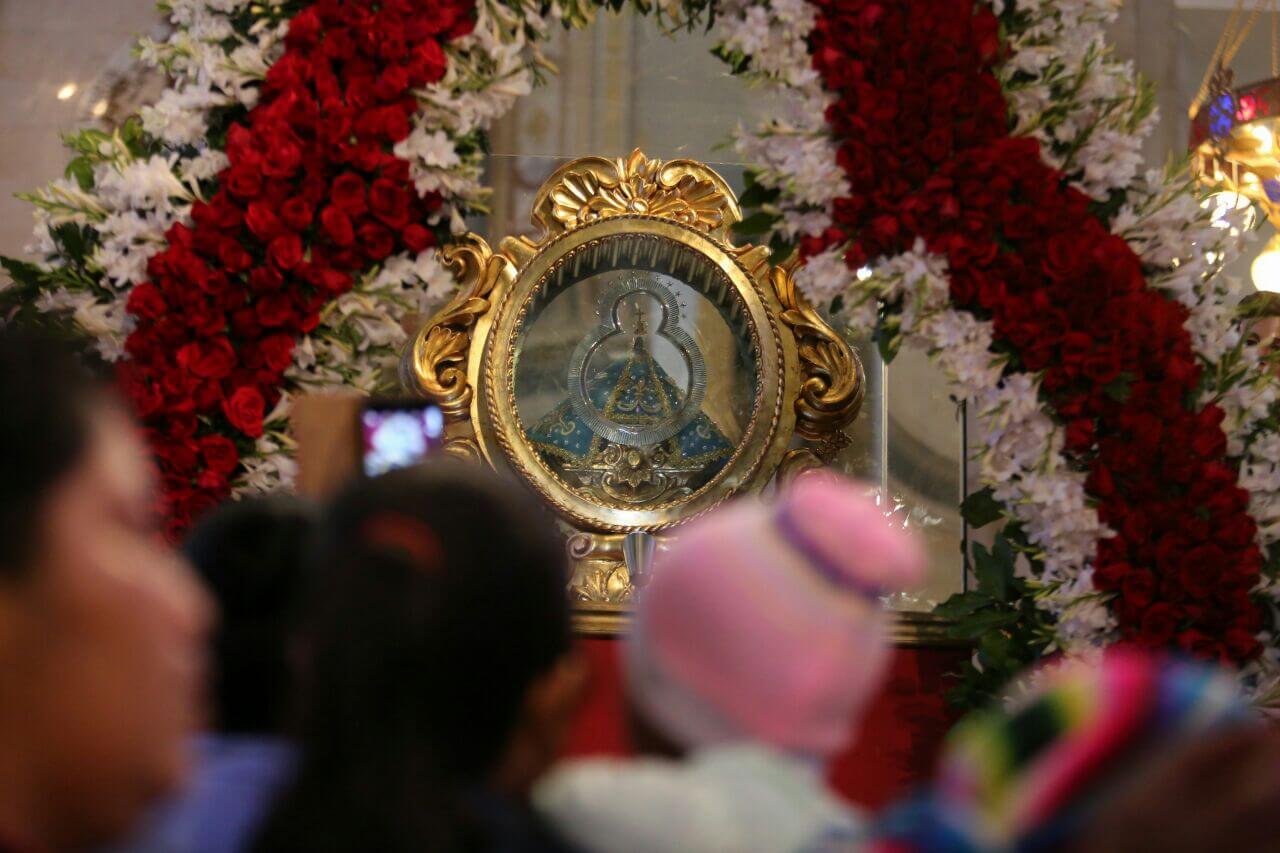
(756, 648)
(252, 556)
(102, 625)
(438, 673)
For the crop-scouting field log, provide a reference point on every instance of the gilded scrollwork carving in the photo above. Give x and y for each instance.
(464, 448)
(595, 188)
(436, 366)
(833, 382)
(600, 573)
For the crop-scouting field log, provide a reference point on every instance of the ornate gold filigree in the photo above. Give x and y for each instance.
(600, 573)
(833, 380)
(675, 216)
(464, 448)
(797, 462)
(595, 188)
(436, 366)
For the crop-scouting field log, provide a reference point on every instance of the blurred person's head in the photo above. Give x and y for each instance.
(1047, 769)
(763, 622)
(438, 662)
(101, 624)
(251, 555)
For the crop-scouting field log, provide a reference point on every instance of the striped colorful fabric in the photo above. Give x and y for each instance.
(1023, 777)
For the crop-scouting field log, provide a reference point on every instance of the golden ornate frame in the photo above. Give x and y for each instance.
(810, 382)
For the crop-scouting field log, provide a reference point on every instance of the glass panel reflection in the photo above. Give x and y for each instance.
(635, 376)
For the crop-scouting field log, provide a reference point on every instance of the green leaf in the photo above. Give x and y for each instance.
(82, 170)
(756, 195)
(980, 623)
(780, 248)
(995, 576)
(963, 604)
(1118, 389)
(73, 239)
(22, 272)
(755, 224)
(997, 650)
(888, 345)
(981, 508)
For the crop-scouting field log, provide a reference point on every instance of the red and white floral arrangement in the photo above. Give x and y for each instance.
(959, 175)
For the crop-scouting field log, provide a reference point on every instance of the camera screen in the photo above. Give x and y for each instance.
(399, 436)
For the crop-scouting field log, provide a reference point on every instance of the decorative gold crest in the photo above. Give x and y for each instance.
(633, 365)
(594, 188)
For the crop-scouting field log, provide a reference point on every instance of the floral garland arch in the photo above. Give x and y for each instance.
(958, 175)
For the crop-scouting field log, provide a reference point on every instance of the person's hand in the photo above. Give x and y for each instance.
(1217, 792)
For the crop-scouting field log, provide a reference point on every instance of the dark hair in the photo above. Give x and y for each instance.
(46, 397)
(441, 599)
(251, 555)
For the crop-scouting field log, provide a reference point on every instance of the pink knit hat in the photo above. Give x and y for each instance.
(763, 622)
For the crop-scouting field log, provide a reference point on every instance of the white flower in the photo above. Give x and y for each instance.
(824, 276)
(430, 148)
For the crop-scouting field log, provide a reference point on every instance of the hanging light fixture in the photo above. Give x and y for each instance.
(1234, 136)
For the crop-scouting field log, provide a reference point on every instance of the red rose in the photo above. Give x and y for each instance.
(347, 194)
(282, 158)
(1241, 644)
(285, 251)
(359, 94)
(1238, 531)
(244, 409)
(1200, 572)
(1138, 587)
(204, 319)
(244, 324)
(429, 63)
(175, 456)
(212, 481)
(392, 82)
(219, 453)
(243, 181)
(1100, 483)
(265, 279)
(376, 241)
(276, 351)
(275, 309)
(1159, 624)
(146, 301)
(417, 238)
(233, 256)
(337, 225)
(1109, 576)
(395, 123)
(389, 203)
(328, 280)
(211, 359)
(1080, 434)
(296, 213)
(305, 29)
(262, 221)
(180, 426)
(1198, 644)
(218, 214)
